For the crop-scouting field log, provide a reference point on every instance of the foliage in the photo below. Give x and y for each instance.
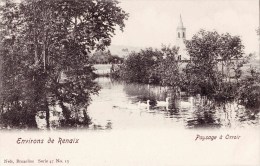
(167, 69)
(45, 53)
(105, 57)
(150, 66)
(249, 89)
(207, 50)
(214, 69)
(138, 66)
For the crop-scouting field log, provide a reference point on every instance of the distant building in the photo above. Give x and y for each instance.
(181, 37)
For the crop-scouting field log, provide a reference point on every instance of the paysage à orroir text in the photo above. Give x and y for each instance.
(214, 137)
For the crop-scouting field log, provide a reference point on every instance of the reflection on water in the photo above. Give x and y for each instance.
(132, 106)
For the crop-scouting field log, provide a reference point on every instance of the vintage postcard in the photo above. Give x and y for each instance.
(129, 82)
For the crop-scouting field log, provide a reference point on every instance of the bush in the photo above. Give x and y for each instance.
(138, 67)
(249, 90)
(150, 66)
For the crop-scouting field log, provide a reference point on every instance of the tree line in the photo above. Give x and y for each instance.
(215, 69)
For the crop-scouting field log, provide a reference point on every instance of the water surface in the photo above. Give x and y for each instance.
(123, 106)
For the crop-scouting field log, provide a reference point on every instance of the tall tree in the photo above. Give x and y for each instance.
(138, 66)
(46, 51)
(167, 69)
(207, 50)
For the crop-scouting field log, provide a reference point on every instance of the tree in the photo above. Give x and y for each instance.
(207, 50)
(167, 70)
(46, 52)
(105, 57)
(249, 89)
(138, 66)
(151, 66)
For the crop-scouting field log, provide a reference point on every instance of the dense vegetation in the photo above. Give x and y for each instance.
(105, 57)
(45, 48)
(215, 68)
(249, 89)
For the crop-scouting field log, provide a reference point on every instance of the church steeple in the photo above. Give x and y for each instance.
(181, 30)
(181, 37)
(180, 23)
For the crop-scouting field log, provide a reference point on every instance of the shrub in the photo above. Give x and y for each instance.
(249, 89)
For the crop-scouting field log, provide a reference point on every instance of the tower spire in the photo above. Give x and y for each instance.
(180, 23)
(181, 37)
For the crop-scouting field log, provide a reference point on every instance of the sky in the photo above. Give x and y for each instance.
(153, 22)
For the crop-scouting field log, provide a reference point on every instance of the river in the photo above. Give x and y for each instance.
(123, 106)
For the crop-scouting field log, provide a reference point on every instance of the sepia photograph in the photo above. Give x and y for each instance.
(147, 70)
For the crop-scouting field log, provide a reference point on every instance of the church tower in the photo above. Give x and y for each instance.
(181, 37)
